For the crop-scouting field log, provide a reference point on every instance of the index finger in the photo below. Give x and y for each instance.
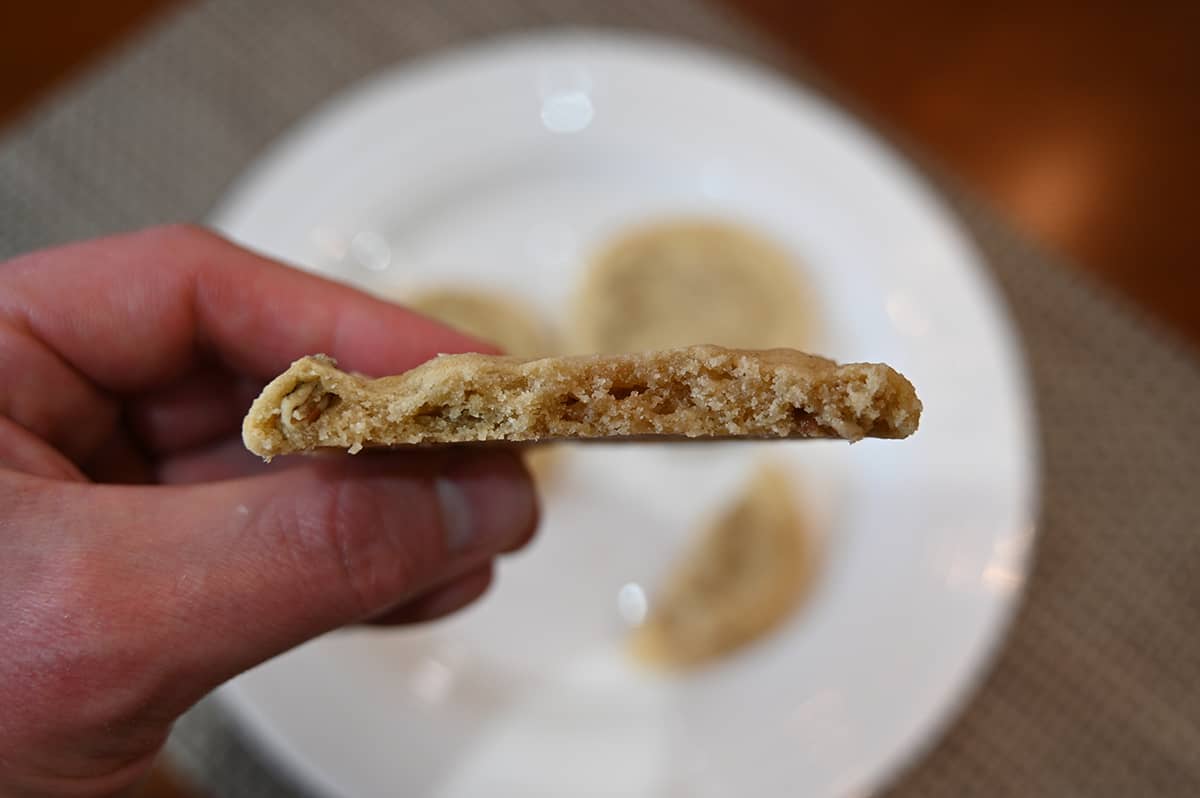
(133, 312)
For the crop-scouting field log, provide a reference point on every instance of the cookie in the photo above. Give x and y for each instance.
(488, 316)
(693, 392)
(740, 580)
(509, 324)
(691, 282)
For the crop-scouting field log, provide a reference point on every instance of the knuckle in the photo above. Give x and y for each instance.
(185, 233)
(351, 517)
(356, 530)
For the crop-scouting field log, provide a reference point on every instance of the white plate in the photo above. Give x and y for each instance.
(507, 164)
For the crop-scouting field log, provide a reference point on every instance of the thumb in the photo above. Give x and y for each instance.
(197, 583)
(273, 561)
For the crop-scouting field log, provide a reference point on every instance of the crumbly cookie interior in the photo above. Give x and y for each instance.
(700, 391)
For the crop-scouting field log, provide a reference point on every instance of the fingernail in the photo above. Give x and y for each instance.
(486, 500)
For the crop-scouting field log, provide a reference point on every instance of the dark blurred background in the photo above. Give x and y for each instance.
(1079, 122)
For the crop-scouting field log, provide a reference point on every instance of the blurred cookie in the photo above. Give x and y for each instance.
(741, 580)
(691, 282)
(501, 320)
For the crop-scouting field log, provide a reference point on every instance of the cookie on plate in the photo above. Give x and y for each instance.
(739, 581)
(691, 282)
(501, 320)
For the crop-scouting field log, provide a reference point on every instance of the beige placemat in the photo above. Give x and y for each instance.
(1095, 692)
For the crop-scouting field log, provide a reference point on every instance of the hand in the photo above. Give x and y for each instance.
(145, 556)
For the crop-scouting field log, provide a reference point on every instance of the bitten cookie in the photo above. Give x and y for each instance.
(693, 392)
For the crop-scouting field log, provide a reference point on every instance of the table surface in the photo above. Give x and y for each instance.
(1082, 141)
